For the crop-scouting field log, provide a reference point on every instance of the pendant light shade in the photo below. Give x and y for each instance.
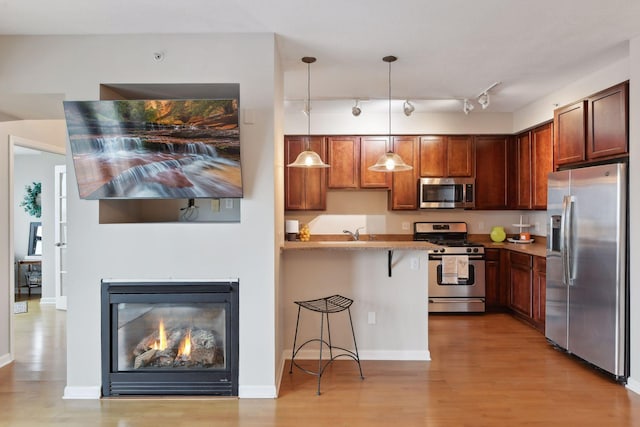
(308, 158)
(390, 161)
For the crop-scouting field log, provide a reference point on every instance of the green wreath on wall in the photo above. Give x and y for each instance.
(31, 201)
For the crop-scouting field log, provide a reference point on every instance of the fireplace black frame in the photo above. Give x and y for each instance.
(214, 382)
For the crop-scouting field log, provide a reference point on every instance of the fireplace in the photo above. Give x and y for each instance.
(170, 338)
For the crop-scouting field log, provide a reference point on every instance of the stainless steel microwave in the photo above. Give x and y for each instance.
(446, 193)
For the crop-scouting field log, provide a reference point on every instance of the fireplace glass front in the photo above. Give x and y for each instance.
(170, 338)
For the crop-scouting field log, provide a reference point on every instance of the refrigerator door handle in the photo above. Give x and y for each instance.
(566, 228)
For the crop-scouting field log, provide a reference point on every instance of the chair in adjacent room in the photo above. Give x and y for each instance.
(325, 306)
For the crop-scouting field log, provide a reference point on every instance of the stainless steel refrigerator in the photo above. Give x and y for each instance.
(587, 292)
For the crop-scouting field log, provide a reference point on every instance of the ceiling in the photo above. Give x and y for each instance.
(447, 49)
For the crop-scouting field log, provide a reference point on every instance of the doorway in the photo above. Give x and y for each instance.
(32, 224)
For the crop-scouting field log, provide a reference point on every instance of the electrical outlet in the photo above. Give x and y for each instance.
(215, 205)
(415, 264)
(481, 226)
(371, 318)
(228, 203)
(405, 225)
(537, 227)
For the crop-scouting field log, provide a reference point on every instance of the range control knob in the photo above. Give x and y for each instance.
(468, 250)
(442, 250)
(475, 250)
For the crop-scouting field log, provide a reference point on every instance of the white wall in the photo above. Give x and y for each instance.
(75, 66)
(29, 168)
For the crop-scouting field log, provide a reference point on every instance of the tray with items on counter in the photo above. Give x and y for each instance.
(520, 241)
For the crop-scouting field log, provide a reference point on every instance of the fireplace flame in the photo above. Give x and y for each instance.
(185, 345)
(161, 342)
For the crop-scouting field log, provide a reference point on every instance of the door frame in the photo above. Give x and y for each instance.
(35, 145)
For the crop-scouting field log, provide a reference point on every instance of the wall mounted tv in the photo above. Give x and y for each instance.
(155, 149)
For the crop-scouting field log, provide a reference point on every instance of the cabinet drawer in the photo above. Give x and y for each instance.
(540, 264)
(517, 258)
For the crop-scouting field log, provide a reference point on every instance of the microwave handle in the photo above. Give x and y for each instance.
(468, 193)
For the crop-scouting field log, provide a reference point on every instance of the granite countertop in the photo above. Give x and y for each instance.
(404, 241)
(537, 248)
(359, 244)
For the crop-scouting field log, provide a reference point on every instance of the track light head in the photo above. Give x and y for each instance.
(467, 107)
(408, 108)
(483, 100)
(356, 110)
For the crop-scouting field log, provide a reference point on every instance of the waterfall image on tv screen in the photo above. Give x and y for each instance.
(147, 149)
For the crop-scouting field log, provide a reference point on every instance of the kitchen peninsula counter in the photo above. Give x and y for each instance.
(359, 244)
(386, 278)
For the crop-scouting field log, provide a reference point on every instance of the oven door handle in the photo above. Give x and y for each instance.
(461, 299)
(471, 257)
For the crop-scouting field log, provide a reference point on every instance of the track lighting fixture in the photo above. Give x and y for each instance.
(308, 158)
(356, 110)
(390, 161)
(408, 108)
(483, 100)
(467, 107)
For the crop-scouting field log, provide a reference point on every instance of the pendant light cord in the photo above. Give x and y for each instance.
(389, 141)
(308, 100)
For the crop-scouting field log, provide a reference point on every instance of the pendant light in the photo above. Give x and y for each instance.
(390, 161)
(308, 158)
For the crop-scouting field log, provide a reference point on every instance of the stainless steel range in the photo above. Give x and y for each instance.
(456, 278)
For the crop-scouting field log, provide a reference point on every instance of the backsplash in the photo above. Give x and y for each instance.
(349, 210)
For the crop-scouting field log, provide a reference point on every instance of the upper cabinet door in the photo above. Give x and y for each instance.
(460, 156)
(608, 122)
(433, 156)
(569, 127)
(523, 171)
(343, 154)
(304, 189)
(404, 190)
(371, 148)
(541, 164)
(491, 171)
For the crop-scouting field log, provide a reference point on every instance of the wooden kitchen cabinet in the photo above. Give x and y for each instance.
(496, 295)
(608, 123)
(371, 148)
(446, 156)
(569, 125)
(343, 155)
(532, 162)
(305, 189)
(539, 294)
(593, 129)
(491, 157)
(520, 280)
(404, 185)
(541, 164)
(527, 278)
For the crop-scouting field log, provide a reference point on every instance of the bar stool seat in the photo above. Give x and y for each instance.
(325, 306)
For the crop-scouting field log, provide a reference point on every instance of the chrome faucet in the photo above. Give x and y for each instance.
(356, 235)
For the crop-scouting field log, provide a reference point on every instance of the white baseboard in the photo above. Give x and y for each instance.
(47, 301)
(422, 355)
(5, 359)
(633, 385)
(257, 392)
(77, 392)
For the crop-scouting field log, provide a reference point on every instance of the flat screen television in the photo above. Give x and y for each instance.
(155, 149)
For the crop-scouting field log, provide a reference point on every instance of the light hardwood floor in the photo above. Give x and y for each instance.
(487, 370)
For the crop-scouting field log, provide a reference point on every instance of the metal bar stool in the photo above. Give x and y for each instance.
(332, 304)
